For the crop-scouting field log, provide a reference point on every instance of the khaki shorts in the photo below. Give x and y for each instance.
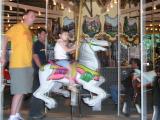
(21, 80)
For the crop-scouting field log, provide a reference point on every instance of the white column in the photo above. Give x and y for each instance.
(119, 58)
(46, 25)
(1, 82)
(143, 94)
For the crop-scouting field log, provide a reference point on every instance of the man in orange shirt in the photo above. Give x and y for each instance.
(21, 70)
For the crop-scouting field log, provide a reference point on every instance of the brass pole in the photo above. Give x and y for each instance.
(79, 26)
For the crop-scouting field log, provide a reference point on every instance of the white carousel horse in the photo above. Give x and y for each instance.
(148, 77)
(87, 76)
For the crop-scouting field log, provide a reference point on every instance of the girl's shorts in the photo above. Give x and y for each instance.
(63, 63)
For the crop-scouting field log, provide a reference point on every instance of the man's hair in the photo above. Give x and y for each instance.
(137, 61)
(39, 30)
(28, 11)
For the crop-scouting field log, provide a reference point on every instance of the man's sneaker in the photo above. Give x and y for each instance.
(13, 117)
(37, 117)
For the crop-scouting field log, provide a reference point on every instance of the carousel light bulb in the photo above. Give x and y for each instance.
(107, 9)
(147, 28)
(156, 29)
(62, 6)
(154, 7)
(151, 29)
(31, 27)
(54, 2)
(9, 25)
(115, 1)
(8, 21)
(8, 15)
(111, 5)
(38, 27)
(39, 13)
(21, 21)
(69, 10)
(10, 0)
(151, 25)
(10, 8)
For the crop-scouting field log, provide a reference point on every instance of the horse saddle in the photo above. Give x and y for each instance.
(59, 72)
(87, 74)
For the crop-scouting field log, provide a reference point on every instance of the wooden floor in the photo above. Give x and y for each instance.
(64, 116)
(63, 111)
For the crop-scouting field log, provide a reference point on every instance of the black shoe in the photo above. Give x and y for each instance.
(126, 114)
(37, 117)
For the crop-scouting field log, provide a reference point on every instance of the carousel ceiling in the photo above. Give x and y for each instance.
(13, 9)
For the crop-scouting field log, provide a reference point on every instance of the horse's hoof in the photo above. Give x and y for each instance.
(86, 100)
(91, 102)
(66, 94)
(107, 96)
(51, 105)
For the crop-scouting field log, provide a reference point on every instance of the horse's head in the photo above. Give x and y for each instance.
(96, 45)
(87, 52)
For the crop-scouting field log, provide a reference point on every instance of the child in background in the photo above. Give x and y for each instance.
(61, 52)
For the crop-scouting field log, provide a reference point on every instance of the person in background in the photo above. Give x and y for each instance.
(156, 93)
(20, 67)
(129, 89)
(39, 58)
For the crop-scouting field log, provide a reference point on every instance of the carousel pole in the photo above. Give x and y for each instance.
(1, 81)
(46, 42)
(46, 25)
(79, 26)
(119, 59)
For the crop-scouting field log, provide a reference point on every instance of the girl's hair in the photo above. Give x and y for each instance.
(62, 30)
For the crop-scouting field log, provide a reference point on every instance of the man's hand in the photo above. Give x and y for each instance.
(2, 60)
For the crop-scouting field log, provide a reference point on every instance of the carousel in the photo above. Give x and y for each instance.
(113, 66)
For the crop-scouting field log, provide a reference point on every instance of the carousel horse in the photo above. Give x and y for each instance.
(86, 73)
(148, 77)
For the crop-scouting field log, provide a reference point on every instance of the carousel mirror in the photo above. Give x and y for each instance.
(129, 59)
(150, 54)
(93, 25)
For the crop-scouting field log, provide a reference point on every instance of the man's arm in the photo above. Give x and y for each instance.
(36, 60)
(4, 50)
